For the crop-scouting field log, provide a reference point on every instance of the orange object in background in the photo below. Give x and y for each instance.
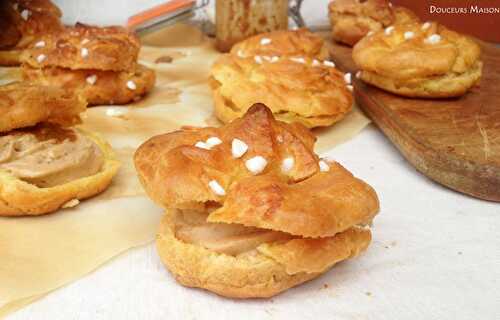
(461, 15)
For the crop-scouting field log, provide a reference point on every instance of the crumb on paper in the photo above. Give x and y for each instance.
(368, 293)
(325, 286)
(164, 59)
(71, 204)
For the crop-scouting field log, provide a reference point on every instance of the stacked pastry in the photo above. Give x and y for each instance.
(250, 208)
(99, 63)
(22, 22)
(289, 72)
(351, 20)
(46, 164)
(419, 60)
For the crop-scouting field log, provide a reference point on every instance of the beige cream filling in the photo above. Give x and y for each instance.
(232, 239)
(50, 162)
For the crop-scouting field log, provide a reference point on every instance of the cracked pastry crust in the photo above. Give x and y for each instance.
(22, 22)
(20, 198)
(297, 89)
(351, 20)
(301, 42)
(419, 60)
(86, 47)
(96, 86)
(264, 228)
(24, 104)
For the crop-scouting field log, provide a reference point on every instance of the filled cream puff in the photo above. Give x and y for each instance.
(251, 211)
(44, 163)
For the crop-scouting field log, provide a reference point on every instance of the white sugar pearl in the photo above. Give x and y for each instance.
(330, 64)
(433, 39)
(389, 30)
(323, 166)
(265, 41)
(347, 78)
(84, 52)
(408, 35)
(41, 58)
(315, 63)
(202, 145)
(85, 41)
(279, 138)
(25, 14)
(358, 74)
(349, 87)
(213, 141)
(115, 112)
(298, 60)
(131, 85)
(240, 54)
(267, 58)
(287, 164)
(370, 33)
(274, 59)
(258, 59)
(91, 79)
(238, 148)
(40, 44)
(426, 26)
(256, 164)
(217, 188)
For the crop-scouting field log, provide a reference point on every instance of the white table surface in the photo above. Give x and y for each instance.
(435, 255)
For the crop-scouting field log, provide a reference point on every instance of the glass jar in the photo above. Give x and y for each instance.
(236, 20)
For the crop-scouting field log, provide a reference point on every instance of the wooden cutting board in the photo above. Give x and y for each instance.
(455, 142)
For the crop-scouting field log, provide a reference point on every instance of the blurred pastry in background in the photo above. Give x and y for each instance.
(301, 42)
(22, 22)
(97, 86)
(351, 20)
(251, 210)
(296, 88)
(85, 47)
(419, 60)
(99, 62)
(25, 104)
(237, 20)
(45, 163)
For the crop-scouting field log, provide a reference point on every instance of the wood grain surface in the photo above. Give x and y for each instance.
(455, 142)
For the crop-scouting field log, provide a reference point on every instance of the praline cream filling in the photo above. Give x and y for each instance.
(48, 162)
(232, 239)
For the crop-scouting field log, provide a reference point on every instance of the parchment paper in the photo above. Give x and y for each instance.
(41, 254)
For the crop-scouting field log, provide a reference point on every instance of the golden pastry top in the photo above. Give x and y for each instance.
(379, 10)
(23, 104)
(416, 51)
(298, 85)
(22, 21)
(351, 20)
(299, 42)
(49, 156)
(85, 47)
(257, 172)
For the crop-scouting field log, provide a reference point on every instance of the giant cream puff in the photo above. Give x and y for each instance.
(251, 211)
